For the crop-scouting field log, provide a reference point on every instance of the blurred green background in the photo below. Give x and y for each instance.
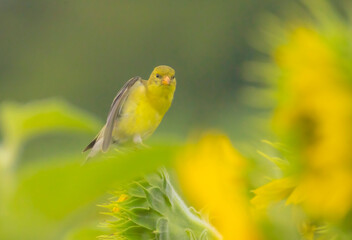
(84, 51)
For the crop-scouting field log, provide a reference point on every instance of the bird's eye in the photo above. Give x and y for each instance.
(172, 77)
(158, 76)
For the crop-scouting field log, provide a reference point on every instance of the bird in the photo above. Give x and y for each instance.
(136, 111)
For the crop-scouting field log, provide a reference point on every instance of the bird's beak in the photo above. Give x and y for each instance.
(166, 80)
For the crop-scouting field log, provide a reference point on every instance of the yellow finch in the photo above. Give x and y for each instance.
(137, 110)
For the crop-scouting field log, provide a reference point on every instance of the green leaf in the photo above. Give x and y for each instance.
(52, 197)
(20, 122)
(157, 199)
(144, 218)
(136, 190)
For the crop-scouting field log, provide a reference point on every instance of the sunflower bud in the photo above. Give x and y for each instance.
(151, 209)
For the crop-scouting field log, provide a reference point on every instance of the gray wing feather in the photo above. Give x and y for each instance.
(115, 111)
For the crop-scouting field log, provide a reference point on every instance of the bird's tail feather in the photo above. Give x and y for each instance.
(96, 148)
(91, 144)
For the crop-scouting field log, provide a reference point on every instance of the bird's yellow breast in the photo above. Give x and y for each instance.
(141, 115)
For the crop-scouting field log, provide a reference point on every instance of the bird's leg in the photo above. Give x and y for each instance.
(138, 140)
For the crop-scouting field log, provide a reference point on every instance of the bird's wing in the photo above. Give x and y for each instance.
(115, 111)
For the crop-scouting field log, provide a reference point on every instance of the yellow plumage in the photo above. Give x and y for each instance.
(137, 109)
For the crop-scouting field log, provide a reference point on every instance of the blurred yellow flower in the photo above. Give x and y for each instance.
(274, 191)
(211, 174)
(317, 100)
(314, 117)
(308, 231)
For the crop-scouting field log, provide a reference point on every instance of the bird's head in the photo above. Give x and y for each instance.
(163, 76)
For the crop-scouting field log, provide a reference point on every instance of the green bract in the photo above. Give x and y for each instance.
(151, 209)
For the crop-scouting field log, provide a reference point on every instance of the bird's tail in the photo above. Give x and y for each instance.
(91, 144)
(95, 145)
(96, 148)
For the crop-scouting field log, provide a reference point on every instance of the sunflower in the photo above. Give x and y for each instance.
(314, 118)
(212, 175)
